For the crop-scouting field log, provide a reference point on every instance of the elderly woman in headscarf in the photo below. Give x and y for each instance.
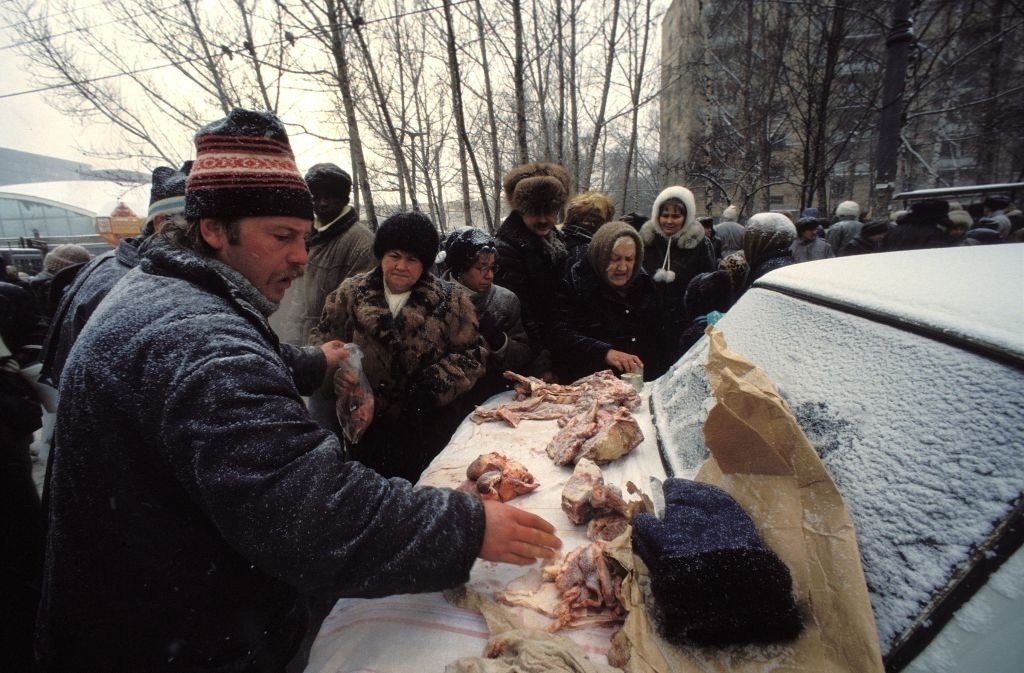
(675, 249)
(607, 315)
(421, 347)
(766, 244)
(470, 258)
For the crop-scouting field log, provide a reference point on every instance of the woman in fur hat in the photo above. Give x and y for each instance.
(421, 347)
(532, 250)
(675, 250)
(607, 311)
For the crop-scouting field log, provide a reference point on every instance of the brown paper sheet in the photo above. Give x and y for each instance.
(762, 458)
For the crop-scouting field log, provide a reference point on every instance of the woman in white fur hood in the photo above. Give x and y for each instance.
(675, 251)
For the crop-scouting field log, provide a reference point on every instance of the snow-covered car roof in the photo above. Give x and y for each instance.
(906, 372)
(973, 294)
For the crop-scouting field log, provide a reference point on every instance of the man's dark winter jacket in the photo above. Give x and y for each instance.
(592, 318)
(531, 267)
(193, 500)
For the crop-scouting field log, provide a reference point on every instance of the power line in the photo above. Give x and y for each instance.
(225, 50)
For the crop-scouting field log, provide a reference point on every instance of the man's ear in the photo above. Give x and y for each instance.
(213, 232)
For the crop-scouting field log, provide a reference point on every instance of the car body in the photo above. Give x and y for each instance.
(906, 372)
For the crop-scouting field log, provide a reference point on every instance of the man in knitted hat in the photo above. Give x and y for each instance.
(532, 250)
(185, 452)
(339, 246)
(846, 226)
(93, 282)
(730, 231)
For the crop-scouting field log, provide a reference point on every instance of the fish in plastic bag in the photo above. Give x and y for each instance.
(355, 396)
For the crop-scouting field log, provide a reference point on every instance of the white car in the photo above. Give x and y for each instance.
(906, 372)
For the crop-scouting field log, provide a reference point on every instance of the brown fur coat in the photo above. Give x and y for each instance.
(431, 353)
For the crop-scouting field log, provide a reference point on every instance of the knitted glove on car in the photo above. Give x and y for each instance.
(713, 580)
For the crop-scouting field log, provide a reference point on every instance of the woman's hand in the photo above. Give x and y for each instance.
(624, 362)
(515, 536)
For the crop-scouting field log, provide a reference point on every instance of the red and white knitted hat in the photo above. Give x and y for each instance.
(244, 167)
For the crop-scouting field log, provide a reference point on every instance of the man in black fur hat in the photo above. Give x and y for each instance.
(532, 250)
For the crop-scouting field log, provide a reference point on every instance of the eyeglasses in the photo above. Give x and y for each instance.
(484, 268)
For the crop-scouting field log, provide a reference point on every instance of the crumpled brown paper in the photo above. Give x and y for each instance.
(762, 458)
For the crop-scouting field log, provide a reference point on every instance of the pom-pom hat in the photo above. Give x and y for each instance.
(244, 167)
(413, 233)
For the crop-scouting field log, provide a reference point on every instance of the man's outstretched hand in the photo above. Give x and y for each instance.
(516, 536)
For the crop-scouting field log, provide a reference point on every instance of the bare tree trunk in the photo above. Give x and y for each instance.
(574, 124)
(560, 64)
(492, 127)
(390, 130)
(522, 151)
(635, 89)
(359, 167)
(600, 121)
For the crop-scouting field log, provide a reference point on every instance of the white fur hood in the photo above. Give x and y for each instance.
(692, 232)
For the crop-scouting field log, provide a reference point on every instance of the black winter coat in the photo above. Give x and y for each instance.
(592, 318)
(532, 270)
(194, 502)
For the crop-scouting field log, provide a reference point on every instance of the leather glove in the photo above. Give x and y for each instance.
(491, 332)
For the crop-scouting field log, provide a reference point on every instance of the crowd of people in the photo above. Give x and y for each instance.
(202, 507)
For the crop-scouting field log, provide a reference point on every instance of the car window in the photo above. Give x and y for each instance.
(922, 438)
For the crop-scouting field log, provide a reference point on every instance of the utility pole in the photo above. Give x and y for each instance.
(897, 50)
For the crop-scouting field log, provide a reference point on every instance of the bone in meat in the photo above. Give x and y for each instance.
(586, 496)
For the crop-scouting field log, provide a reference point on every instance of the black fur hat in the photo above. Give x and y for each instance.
(413, 233)
(537, 187)
(707, 292)
(331, 179)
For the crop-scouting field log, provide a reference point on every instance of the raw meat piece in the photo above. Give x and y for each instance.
(586, 496)
(494, 476)
(600, 433)
(590, 584)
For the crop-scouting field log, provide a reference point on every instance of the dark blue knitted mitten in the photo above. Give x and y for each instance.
(713, 580)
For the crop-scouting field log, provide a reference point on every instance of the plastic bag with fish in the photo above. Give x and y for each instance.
(355, 396)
